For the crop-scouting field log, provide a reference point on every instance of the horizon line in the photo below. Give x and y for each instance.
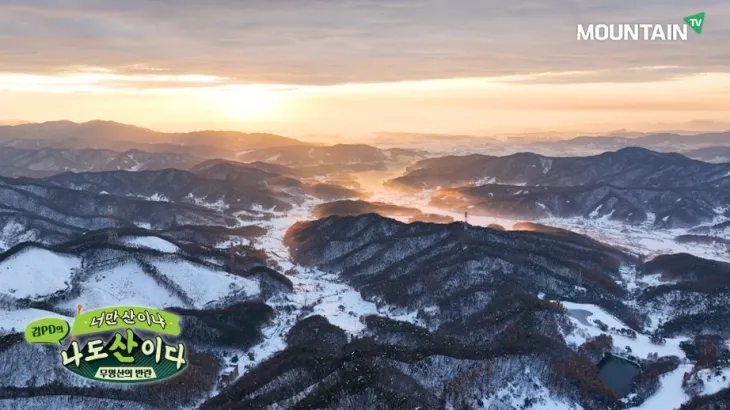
(535, 134)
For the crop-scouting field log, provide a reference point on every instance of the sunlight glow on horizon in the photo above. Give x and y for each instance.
(460, 105)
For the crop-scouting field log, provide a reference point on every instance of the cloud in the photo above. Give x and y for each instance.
(311, 42)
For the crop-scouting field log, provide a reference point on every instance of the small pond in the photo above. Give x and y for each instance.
(618, 373)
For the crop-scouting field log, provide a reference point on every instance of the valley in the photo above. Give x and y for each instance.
(319, 302)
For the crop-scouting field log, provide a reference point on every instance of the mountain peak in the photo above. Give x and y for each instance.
(640, 152)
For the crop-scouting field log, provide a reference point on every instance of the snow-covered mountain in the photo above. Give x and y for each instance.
(663, 207)
(44, 162)
(328, 305)
(348, 157)
(633, 186)
(629, 167)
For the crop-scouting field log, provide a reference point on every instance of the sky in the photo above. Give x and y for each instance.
(350, 67)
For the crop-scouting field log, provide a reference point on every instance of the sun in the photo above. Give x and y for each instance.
(249, 103)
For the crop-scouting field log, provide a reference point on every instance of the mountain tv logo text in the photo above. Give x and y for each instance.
(641, 32)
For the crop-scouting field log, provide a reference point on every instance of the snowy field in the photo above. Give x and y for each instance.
(18, 319)
(515, 397)
(204, 285)
(34, 273)
(123, 285)
(13, 233)
(150, 242)
(640, 347)
(670, 395)
(714, 382)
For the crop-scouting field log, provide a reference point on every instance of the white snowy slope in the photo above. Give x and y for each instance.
(68, 402)
(13, 233)
(670, 395)
(204, 285)
(640, 347)
(123, 285)
(713, 380)
(531, 395)
(18, 319)
(150, 242)
(34, 273)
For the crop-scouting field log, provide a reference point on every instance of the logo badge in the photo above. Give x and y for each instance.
(125, 357)
(695, 22)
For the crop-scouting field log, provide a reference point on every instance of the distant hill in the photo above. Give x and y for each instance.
(629, 167)
(43, 162)
(710, 154)
(656, 141)
(632, 185)
(354, 156)
(104, 134)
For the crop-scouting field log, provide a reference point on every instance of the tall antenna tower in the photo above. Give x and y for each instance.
(112, 234)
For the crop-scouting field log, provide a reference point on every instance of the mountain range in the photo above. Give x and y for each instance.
(96, 134)
(290, 265)
(632, 185)
(40, 150)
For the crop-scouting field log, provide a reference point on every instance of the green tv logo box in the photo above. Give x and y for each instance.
(695, 22)
(125, 357)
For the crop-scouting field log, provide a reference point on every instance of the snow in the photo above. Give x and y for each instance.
(156, 197)
(219, 205)
(137, 165)
(204, 285)
(124, 285)
(515, 396)
(640, 347)
(18, 319)
(69, 402)
(547, 164)
(594, 213)
(35, 273)
(315, 293)
(714, 383)
(13, 233)
(608, 215)
(318, 293)
(645, 238)
(351, 301)
(485, 181)
(670, 395)
(150, 242)
(271, 159)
